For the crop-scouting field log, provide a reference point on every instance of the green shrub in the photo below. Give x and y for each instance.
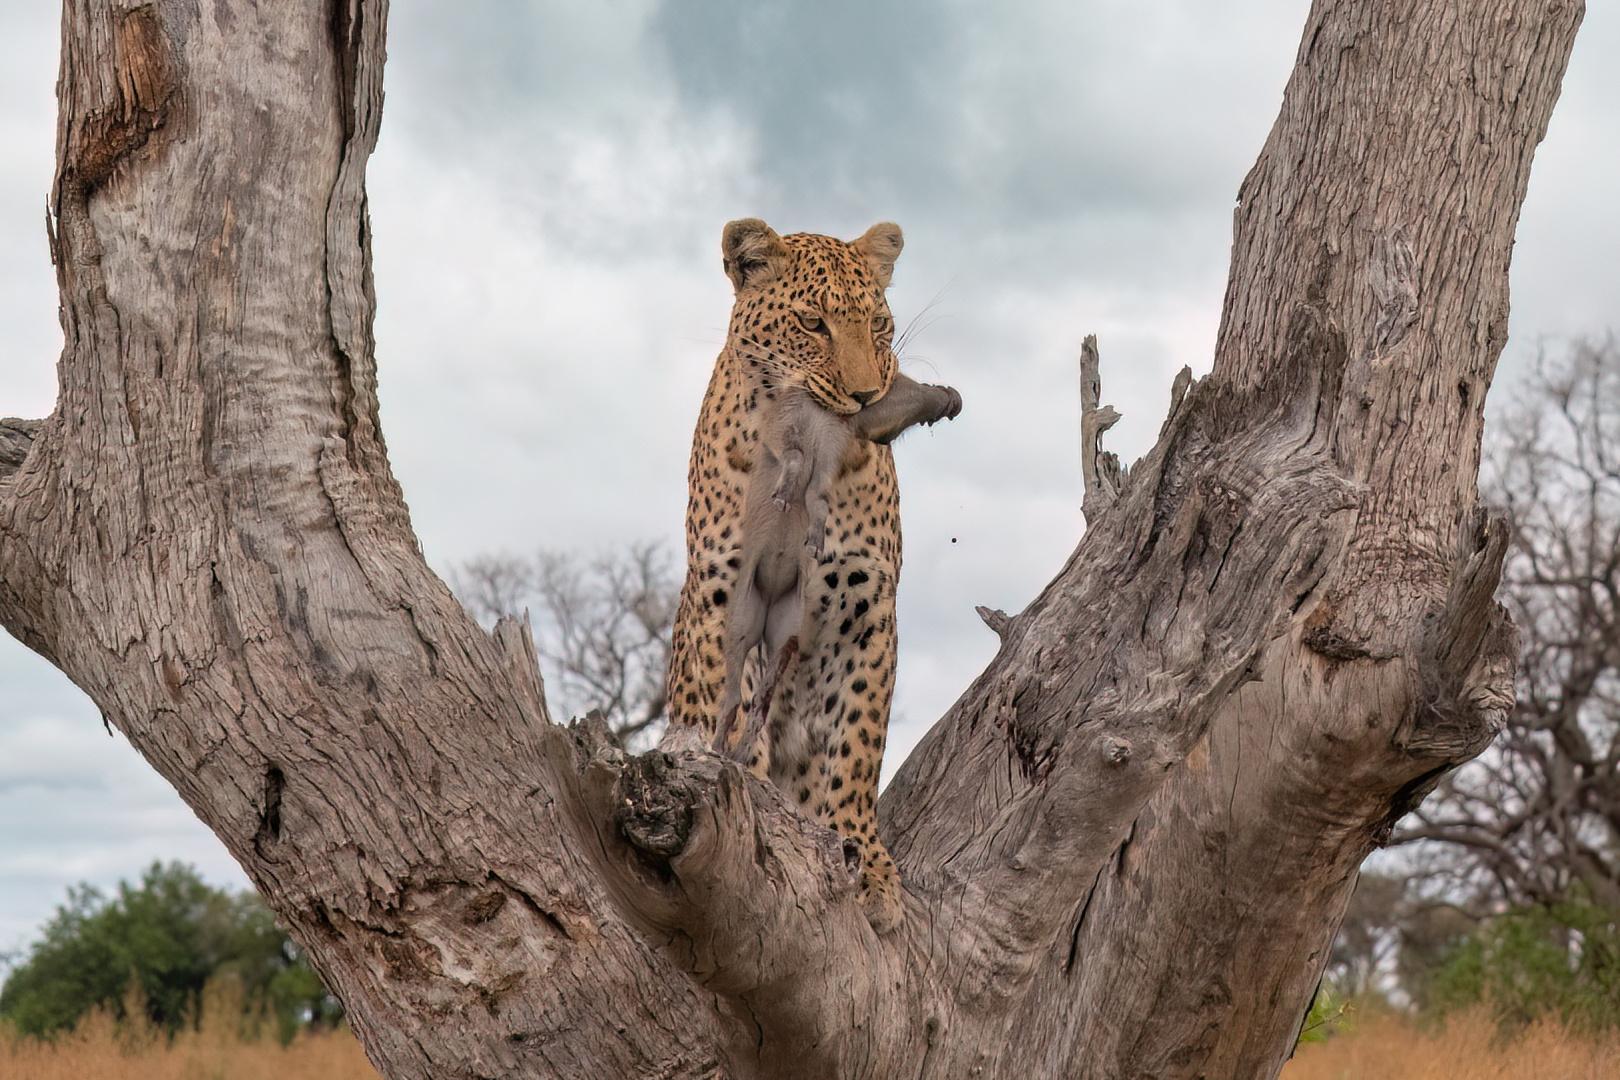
(164, 939)
(1328, 1015)
(1561, 960)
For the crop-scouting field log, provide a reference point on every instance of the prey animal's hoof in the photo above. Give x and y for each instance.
(951, 408)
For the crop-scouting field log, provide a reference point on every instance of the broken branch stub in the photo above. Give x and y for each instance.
(1101, 470)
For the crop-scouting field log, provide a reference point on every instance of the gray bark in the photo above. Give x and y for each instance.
(1127, 845)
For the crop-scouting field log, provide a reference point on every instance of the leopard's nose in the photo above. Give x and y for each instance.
(863, 397)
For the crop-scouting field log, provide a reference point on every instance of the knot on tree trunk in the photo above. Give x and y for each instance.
(741, 890)
(140, 110)
(1467, 655)
(655, 803)
(146, 96)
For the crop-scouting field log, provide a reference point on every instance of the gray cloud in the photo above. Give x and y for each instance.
(844, 98)
(547, 202)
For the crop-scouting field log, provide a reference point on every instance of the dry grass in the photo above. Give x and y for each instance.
(1382, 1047)
(95, 1052)
(220, 1047)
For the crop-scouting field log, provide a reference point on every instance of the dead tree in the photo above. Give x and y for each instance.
(603, 627)
(1126, 846)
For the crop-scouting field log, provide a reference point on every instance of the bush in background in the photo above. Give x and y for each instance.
(1558, 960)
(159, 942)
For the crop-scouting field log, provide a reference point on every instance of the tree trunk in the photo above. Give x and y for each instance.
(1126, 847)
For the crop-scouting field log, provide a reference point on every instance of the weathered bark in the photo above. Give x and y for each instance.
(1127, 845)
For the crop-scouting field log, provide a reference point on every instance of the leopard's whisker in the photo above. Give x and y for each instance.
(912, 329)
(767, 358)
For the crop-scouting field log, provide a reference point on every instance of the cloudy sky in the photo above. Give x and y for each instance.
(547, 201)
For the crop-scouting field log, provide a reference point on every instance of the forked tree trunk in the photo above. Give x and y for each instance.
(1127, 845)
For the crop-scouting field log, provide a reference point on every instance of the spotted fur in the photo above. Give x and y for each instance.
(810, 310)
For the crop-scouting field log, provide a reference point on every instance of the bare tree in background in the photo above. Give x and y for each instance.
(1538, 815)
(601, 626)
(1367, 939)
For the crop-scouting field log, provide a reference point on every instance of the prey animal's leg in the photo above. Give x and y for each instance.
(817, 503)
(744, 629)
(908, 402)
(791, 480)
(762, 701)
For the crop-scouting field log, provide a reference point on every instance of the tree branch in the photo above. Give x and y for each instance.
(999, 622)
(1056, 750)
(1103, 474)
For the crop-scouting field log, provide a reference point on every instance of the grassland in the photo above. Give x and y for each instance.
(1467, 1047)
(102, 1049)
(1374, 1048)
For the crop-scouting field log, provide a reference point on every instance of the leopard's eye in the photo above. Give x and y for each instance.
(882, 324)
(811, 322)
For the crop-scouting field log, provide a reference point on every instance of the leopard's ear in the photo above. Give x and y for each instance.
(880, 246)
(753, 253)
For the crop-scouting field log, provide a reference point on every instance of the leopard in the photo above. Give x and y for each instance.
(803, 449)
(810, 311)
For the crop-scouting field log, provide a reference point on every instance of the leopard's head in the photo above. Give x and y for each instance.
(811, 310)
